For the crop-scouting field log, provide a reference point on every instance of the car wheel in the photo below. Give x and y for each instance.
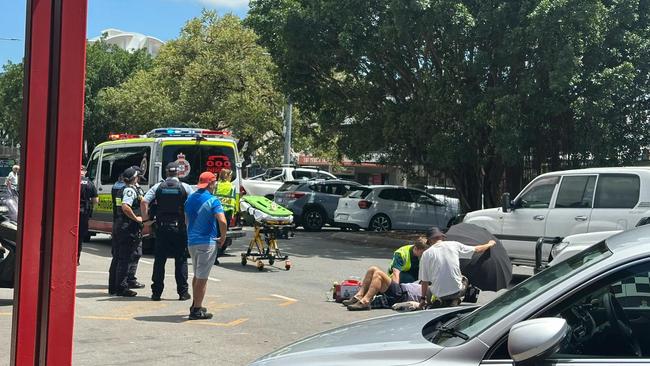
(380, 223)
(313, 220)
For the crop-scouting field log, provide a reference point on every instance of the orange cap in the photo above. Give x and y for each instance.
(205, 179)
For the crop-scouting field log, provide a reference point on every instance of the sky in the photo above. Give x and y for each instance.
(162, 19)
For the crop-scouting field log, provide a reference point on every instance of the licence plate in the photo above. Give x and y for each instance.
(343, 217)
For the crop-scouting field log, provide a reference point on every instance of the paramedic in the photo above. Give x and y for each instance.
(406, 262)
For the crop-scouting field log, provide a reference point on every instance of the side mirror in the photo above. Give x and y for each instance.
(536, 339)
(506, 203)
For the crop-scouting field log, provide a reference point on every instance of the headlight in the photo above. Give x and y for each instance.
(557, 248)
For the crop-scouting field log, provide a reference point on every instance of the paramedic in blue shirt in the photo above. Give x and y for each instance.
(206, 225)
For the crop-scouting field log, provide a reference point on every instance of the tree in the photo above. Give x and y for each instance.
(107, 66)
(11, 100)
(475, 89)
(214, 75)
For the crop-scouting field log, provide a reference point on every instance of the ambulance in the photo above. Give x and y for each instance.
(194, 150)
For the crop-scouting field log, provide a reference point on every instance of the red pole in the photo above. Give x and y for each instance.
(51, 148)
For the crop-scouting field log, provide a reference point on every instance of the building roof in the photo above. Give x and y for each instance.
(130, 41)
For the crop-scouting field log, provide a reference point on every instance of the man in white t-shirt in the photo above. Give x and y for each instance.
(440, 268)
(12, 179)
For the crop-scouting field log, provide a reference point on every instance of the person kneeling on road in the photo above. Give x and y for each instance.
(377, 282)
(405, 265)
(440, 269)
(206, 224)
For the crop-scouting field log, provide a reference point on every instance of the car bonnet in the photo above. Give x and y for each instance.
(391, 340)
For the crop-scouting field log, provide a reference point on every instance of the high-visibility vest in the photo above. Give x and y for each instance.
(405, 253)
(226, 194)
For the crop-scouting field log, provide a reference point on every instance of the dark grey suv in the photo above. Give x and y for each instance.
(313, 202)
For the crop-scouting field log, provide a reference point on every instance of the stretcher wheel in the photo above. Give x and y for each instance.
(287, 265)
(260, 265)
(271, 260)
(243, 260)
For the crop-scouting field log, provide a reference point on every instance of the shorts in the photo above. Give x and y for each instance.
(203, 257)
(394, 293)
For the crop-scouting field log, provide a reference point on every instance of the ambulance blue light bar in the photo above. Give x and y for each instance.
(185, 132)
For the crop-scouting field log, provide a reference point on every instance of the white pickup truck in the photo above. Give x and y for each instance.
(560, 204)
(268, 183)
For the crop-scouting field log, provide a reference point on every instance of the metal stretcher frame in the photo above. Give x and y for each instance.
(51, 146)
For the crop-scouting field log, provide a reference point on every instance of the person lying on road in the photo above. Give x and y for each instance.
(377, 282)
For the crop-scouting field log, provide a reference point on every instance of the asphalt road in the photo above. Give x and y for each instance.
(255, 311)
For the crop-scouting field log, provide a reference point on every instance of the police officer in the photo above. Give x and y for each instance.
(88, 199)
(128, 234)
(116, 199)
(171, 234)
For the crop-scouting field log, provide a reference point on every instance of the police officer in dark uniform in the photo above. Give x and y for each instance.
(128, 234)
(87, 200)
(116, 199)
(171, 234)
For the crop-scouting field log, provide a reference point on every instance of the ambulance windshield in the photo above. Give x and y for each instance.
(194, 159)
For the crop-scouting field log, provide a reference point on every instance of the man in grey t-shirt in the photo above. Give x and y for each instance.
(440, 268)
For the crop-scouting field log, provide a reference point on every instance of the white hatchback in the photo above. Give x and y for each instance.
(383, 208)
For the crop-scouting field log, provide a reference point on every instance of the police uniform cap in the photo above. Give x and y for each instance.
(172, 167)
(130, 173)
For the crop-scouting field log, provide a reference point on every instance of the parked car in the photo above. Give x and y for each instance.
(447, 195)
(560, 204)
(313, 202)
(590, 309)
(269, 182)
(383, 208)
(573, 244)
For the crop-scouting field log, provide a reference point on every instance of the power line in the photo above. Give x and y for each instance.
(9, 39)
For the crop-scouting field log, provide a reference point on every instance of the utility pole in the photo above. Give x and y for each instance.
(287, 131)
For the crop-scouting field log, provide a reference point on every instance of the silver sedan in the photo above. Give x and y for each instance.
(591, 309)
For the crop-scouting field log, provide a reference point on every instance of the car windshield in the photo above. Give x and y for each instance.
(479, 320)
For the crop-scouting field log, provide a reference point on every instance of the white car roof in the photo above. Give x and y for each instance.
(630, 169)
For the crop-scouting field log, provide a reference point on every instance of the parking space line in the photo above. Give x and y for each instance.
(289, 301)
(215, 324)
(103, 317)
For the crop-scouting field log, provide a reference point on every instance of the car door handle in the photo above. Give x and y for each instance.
(539, 218)
(580, 218)
(100, 189)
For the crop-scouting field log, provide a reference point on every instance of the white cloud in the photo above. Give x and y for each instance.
(230, 4)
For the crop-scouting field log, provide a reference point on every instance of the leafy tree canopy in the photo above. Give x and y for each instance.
(475, 89)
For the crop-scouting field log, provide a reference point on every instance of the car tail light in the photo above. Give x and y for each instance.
(364, 204)
(242, 190)
(295, 195)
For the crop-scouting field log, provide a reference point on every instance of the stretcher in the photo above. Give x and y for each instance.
(270, 221)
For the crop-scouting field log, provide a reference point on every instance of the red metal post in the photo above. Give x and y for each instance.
(51, 146)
